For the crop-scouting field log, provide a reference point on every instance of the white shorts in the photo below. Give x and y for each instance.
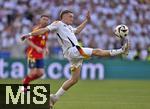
(74, 56)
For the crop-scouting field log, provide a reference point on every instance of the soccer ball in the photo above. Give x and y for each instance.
(121, 31)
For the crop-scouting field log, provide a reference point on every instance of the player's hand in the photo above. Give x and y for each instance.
(39, 49)
(24, 37)
(88, 16)
(46, 51)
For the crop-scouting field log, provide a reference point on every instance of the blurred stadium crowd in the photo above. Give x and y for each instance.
(19, 16)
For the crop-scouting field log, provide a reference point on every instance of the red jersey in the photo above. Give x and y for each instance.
(40, 41)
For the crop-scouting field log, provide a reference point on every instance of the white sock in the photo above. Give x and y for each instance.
(60, 92)
(116, 52)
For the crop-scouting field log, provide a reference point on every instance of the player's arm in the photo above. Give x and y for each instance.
(46, 49)
(34, 33)
(39, 31)
(83, 24)
(52, 27)
(37, 48)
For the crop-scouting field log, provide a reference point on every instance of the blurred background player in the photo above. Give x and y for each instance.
(71, 48)
(35, 52)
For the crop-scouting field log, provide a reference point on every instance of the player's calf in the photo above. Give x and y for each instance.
(105, 53)
(34, 74)
(100, 52)
(69, 83)
(40, 72)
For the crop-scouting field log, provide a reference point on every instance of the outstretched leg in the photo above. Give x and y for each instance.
(105, 53)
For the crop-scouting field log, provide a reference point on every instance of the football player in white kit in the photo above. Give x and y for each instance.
(71, 48)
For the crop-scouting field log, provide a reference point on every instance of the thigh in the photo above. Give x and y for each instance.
(40, 64)
(31, 63)
(32, 67)
(87, 51)
(35, 63)
(84, 52)
(76, 73)
(73, 53)
(79, 52)
(75, 63)
(40, 70)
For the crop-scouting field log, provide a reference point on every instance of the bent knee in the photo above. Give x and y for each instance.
(97, 52)
(73, 81)
(40, 72)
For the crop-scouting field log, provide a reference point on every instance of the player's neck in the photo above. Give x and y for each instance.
(64, 22)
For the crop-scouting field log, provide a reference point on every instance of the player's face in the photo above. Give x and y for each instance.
(69, 17)
(44, 21)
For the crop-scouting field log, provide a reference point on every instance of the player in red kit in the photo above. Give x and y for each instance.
(35, 53)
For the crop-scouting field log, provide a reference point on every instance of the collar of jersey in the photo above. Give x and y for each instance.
(64, 23)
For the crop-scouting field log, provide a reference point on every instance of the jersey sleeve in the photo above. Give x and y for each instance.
(54, 26)
(73, 29)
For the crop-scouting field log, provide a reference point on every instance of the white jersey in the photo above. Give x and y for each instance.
(65, 34)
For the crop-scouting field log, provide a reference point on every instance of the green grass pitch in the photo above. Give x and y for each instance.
(106, 94)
